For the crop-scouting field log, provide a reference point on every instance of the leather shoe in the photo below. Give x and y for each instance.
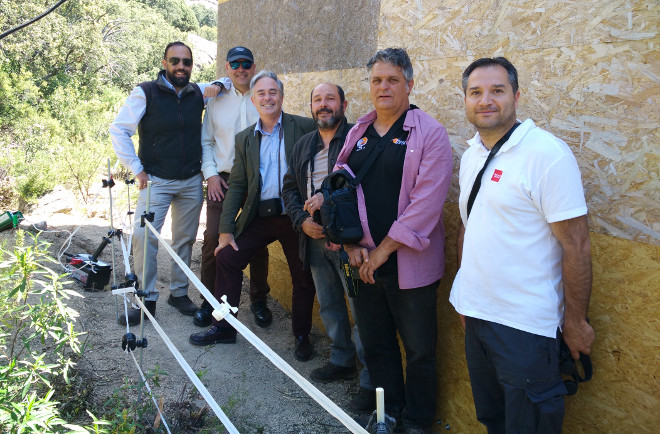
(183, 305)
(330, 373)
(303, 350)
(364, 401)
(203, 316)
(262, 315)
(214, 335)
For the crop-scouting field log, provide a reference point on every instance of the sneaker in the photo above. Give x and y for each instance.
(330, 373)
(134, 314)
(386, 427)
(214, 335)
(303, 350)
(183, 305)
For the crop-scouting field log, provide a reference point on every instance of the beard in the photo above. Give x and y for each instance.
(178, 81)
(330, 123)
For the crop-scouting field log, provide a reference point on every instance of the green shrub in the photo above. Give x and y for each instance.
(38, 343)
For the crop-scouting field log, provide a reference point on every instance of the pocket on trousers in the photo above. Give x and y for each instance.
(538, 391)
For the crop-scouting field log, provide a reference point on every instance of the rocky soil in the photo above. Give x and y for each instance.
(256, 396)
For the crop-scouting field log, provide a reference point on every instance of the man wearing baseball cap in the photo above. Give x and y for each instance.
(226, 115)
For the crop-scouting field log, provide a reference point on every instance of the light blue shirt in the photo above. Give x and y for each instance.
(271, 150)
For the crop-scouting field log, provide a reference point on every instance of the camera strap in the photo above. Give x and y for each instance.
(477, 181)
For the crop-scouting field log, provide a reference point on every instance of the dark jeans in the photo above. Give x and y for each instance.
(259, 234)
(516, 383)
(259, 288)
(383, 309)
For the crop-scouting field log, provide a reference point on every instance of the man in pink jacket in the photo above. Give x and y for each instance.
(401, 256)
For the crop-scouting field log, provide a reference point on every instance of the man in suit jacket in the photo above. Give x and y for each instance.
(261, 159)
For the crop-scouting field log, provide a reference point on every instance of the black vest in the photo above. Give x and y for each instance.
(171, 131)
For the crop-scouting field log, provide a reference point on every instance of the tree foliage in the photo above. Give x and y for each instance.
(176, 13)
(205, 15)
(63, 78)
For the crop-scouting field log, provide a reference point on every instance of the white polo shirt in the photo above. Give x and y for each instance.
(511, 265)
(226, 115)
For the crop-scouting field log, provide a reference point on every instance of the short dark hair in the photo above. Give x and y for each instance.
(492, 61)
(172, 44)
(340, 91)
(394, 56)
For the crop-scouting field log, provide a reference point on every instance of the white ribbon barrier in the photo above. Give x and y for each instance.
(223, 309)
(189, 372)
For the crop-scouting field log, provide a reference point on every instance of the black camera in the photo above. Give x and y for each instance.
(270, 207)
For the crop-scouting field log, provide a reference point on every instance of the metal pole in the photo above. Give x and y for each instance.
(144, 276)
(112, 229)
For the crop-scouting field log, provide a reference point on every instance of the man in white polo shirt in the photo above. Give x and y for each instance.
(524, 257)
(228, 114)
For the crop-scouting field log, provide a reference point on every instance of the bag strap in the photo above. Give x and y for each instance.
(380, 145)
(477, 182)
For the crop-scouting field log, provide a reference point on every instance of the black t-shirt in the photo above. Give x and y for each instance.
(382, 183)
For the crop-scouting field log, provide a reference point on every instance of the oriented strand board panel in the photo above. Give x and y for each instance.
(589, 72)
(624, 394)
(296, 35)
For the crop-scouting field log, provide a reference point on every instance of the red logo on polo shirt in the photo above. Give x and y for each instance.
(497, 174)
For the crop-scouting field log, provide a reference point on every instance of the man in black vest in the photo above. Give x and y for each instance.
(167, 112)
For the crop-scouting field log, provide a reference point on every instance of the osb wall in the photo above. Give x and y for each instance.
(589, 73)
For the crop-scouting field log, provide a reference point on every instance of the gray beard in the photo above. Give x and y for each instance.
(328, 124)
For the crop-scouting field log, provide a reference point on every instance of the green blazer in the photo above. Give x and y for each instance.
(244, 179)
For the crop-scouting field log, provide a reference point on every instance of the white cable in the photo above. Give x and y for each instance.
(153, 398)
(283, 366)
(188, 370)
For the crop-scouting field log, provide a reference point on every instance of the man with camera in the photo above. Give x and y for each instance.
(524, 257)
(312, 159)
(401, 255)
(262, 156)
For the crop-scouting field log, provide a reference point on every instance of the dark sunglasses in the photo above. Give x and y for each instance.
(246, 64)
(175, 61)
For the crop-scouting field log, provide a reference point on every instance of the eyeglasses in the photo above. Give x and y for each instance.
(175, 61)
(245, 63)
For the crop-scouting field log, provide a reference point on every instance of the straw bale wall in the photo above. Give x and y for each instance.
(589, 72)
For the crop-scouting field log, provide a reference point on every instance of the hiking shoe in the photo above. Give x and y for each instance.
(214, 335)
(303, 350)
(330, 373)
(134, 314)
(183, 305)
(364, 401)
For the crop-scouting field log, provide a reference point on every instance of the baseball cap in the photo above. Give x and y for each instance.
(239, 53)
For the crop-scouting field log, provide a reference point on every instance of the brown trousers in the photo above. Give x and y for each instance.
(259, 288)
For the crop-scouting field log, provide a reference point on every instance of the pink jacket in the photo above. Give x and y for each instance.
(419, 226)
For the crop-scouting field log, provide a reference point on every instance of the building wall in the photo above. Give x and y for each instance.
(589, 72)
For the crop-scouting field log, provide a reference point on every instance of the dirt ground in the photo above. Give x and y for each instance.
(256, 395)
